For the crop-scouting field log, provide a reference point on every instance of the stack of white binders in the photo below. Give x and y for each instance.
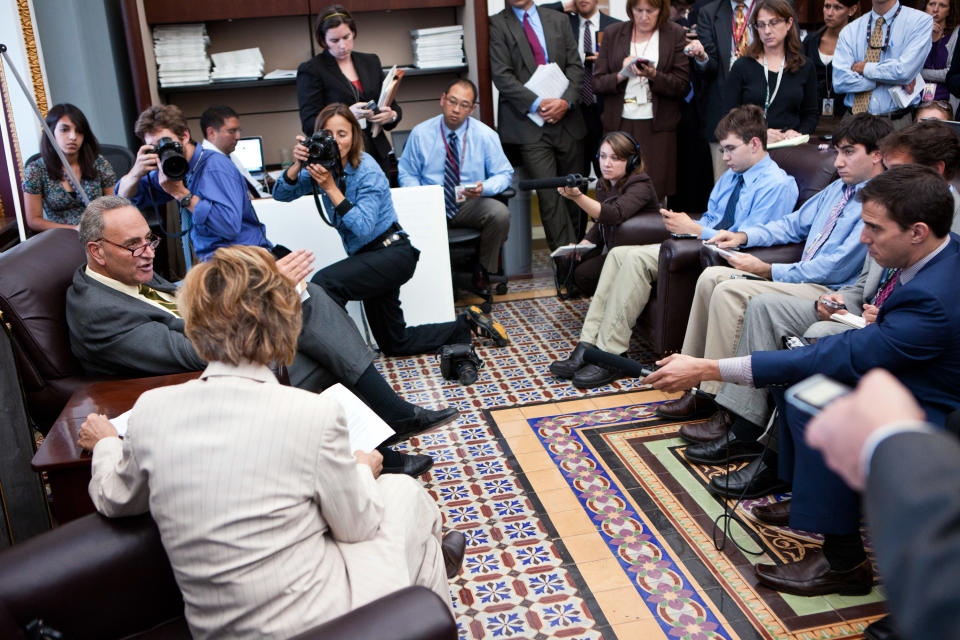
(236, 66)
(437, 47)
(181, 53)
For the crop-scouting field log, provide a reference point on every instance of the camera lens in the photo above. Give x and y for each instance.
(467, 373)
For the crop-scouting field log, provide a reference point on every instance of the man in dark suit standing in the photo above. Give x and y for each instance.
(587, 21)
(906, 213)
(521, 39)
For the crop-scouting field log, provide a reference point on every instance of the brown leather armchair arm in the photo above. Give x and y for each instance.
(99, 577)
(667, 312)
(645, 228)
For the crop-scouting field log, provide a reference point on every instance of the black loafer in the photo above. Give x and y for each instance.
(567, 368)
(881, 629)
(591, 376)
(410, 465)
(753, 481)
(422, 420)
(453, 546)
(726, 448)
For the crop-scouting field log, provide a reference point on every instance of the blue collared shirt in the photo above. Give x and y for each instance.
(900, 63)
(839, 259)
(224, 216)
(537, 26)
(366, 188)
(768, 194)
(481, 156)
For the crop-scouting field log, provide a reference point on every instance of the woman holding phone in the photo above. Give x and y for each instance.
(644, 74)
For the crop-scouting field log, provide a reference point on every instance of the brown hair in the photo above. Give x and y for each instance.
(792, 49)
(928, 143)
(912, 193)
(331, 18)
(940, 105)
(165, 116)
(238, 307)
(746, 122)
(623, 147)
(662, 17)
(340, 109)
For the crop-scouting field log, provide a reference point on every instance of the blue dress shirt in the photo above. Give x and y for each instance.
(768, 194)
(900, 62)
(366, 189)
(481, 156)
(224, 216)
(839, 259)
(537, 26)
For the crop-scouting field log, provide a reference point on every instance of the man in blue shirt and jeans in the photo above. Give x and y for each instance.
(471, 154)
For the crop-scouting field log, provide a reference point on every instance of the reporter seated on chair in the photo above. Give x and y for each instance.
(380, 257)
(271, 523)
(472, 155)
(624, 190)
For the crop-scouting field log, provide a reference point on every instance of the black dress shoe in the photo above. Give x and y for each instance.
(567, 368)
(709, 430)
(453, 546)
(724, 449)
(691, 404)
(776, 513)
(591, 376)
(881, 629)
(812, 576)
(753, 481)
(411, 465)
(422, 420)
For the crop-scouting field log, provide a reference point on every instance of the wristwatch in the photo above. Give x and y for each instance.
(185, 200)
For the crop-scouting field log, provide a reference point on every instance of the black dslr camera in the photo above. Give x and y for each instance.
(459, 362)
(172, 161)
(323, 150)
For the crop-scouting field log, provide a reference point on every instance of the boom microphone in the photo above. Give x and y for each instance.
(572, 180)
(630, 367)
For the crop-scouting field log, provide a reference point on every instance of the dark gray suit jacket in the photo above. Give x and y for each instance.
(714, 26)
(512, 64)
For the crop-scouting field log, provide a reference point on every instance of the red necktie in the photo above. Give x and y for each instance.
(538, 56)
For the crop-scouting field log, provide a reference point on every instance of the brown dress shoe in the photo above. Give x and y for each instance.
(690, 405)
(813, 576)
(709, 430)
(776, 513)
(453, 546)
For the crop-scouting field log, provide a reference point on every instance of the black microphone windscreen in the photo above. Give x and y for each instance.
(609, 360)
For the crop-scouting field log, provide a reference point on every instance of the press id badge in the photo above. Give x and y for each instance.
(827, 108)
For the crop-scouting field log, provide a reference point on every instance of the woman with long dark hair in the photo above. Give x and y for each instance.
(340, 74)
(819, 46)
(946, 16)
(380, 257)
(774, 74)
(50, 196)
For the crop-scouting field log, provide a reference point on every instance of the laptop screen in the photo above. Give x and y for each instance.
(250, 152)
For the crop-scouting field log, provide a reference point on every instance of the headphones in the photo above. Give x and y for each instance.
(634, 160)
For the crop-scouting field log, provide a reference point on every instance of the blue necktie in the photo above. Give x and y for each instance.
(727, 220)
(451, 175)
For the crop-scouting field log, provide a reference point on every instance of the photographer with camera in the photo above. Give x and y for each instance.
(380, 257)
(170, 166)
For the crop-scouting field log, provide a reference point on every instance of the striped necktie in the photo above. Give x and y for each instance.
(451, 175)
(831, 222)
(890, 278)
(152, 294)
(586, 89)
(861, 101)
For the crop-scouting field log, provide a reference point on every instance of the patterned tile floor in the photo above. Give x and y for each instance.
(518, 581)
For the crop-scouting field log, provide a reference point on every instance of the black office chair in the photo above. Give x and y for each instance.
(465, 254)
(120, 158)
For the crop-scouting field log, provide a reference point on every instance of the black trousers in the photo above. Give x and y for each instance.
(374, 278)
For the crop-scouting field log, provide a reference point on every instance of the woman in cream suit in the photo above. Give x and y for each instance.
(272, 525)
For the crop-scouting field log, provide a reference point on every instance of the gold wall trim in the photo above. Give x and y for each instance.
(33, 55)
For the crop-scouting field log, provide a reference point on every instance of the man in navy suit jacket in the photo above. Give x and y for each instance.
(907, 213)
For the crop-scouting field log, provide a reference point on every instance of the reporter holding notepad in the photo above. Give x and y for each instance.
(623, 191)
(646, 106)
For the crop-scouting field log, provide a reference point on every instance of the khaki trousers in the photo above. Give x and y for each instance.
(623, 291)
(716, 317)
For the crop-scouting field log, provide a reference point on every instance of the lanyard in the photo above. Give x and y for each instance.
(738, 34)
(446, 146)
(766, 79)
(889, 25)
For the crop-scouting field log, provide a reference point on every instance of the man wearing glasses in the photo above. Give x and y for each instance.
(464, 156)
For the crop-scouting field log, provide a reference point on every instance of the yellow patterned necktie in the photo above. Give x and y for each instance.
(152, 294)
(739, 30)
(861, 101)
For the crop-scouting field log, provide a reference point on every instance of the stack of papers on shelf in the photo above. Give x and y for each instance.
(181, 53)
(235, 66)
(438, 47)
(281, 74)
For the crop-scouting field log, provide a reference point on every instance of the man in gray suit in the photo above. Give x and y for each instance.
(521, 39)
(123, 321)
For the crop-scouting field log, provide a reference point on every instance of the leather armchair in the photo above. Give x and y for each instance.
(101, 577)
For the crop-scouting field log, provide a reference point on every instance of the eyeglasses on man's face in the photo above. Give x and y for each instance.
(730, 148)
(136, 251)
(463, 104)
